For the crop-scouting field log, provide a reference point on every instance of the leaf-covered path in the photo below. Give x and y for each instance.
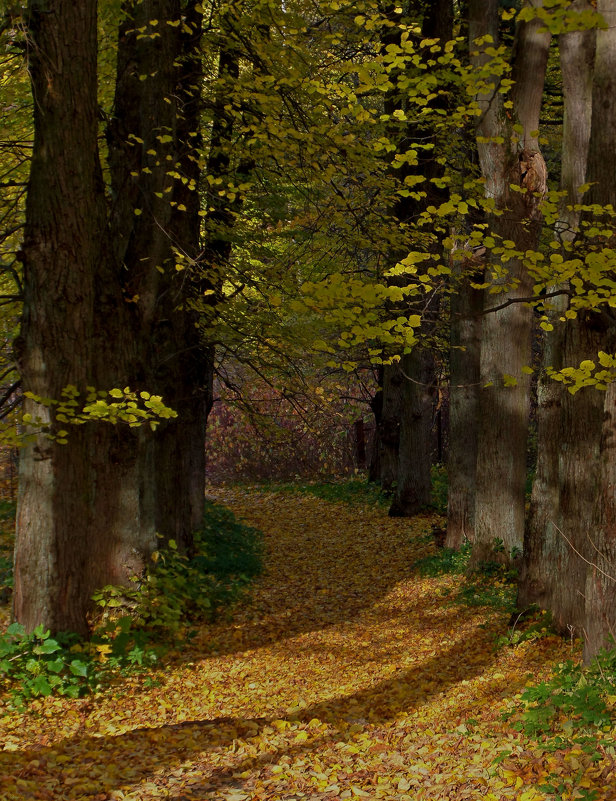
(346, 676)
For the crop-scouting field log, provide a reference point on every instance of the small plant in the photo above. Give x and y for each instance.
(490, 584)
(445, 561)
(178, 590)
(572, 712)
(529, 625)
(577, 699)
(38, 665)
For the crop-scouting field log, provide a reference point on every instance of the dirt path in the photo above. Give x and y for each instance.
(347, 676)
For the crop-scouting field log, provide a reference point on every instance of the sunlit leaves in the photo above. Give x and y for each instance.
(348, 676)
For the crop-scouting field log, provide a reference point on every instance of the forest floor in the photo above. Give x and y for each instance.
(345, 675)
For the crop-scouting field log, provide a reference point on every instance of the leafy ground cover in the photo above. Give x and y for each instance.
(350, 673)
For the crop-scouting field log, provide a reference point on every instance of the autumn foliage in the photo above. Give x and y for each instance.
(350, 674)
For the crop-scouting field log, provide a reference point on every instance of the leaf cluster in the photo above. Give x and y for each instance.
(576, 701)
(38, 664)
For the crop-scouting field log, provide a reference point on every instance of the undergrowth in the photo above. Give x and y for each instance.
(360, 491)
(133, 626)
(490, 584)
(573, 714)
(351, 491)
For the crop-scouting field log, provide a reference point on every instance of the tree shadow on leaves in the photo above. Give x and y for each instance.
(91, 767)
(326, 563)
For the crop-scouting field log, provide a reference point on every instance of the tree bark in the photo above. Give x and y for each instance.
(506, 334)
(565, 485)
(466, 305)
(418, 368)
(389, 429)
(413, 489)
(600, 595)
(78, 520)
(154, 142)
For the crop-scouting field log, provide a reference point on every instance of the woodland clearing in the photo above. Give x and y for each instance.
(346, 674)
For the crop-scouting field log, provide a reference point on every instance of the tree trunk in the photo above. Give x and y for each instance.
(156, 124)
(413, 489)
(78, 519)
(466, 305)
(376, 404)
(389, 430)
(565, 485)
(600, 595)
(415, 414)
(507, 332)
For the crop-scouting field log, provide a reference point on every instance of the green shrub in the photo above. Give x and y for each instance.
(445, 561)
(178, 590)
(576, 698)
(133, 623)
(490, 584)
(37, 664)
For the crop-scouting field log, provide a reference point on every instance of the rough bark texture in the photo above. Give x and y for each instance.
(413, 490)
(600, 594)
(78, 519)
(413, 435)
(154, 141)
(507, 333)
(565, 485)
(565, 489)
(466, 305)
(600, 590)
(571, 553)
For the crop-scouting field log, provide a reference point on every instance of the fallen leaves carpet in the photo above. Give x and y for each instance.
(346, 675)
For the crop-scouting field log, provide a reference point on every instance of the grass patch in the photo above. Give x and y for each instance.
(440, 486)
(445, 561)
(351, 491)
(490, 585)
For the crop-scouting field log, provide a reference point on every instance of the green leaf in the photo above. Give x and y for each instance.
(41, 686)
(16, 630)
(47, 647)
(78, 668)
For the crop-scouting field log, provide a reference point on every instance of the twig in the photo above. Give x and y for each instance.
(575, 550)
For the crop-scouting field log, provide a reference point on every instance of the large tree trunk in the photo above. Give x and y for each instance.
(600, 594)
(568, 427)
(466, 305)
(154, 156)
(412, 436)
(507, 331)
(566, 486)
(78, 519)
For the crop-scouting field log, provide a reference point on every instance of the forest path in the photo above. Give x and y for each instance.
(347, 675)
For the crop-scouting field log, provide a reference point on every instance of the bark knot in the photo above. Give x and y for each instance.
(533, 178)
